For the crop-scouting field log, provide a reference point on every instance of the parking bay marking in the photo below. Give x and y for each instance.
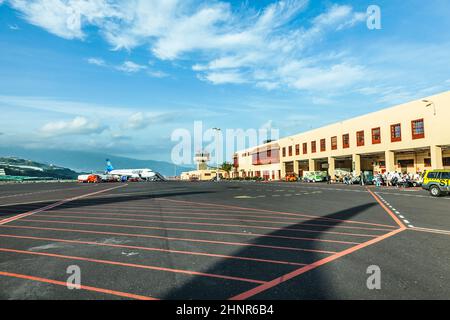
(57, 204)
(276, 195)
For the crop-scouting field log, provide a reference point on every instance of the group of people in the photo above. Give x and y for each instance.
(389, 179)
(350, 179)
(396, 179)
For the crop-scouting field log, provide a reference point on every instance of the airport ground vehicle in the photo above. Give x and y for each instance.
(89, 178)
(437, 182)
(83, 178)
(315, 176)
(93, 178)
(291, 177)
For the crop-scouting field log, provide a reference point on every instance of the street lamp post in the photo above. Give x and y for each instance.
(429, 104)
(217, 130)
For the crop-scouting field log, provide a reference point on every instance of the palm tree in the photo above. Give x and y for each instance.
(227, 167)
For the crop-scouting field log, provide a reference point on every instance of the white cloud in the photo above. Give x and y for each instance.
(157, 74)
(73, 108)
(338, 16)
(142, 120)
(268, 85)
(77, 126)
(127, 67)
(230, 46)
(137, 121)
(97, 61)
(66, 18)
(130, 67)
(337, 76)
(224, 77)
(275, 57)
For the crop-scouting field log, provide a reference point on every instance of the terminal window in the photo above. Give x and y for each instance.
(396, 132)
(376, 136)
(360, 138)
(446, 162)
(346, 141)
(323, 145)
(334, 143)
(418, 129)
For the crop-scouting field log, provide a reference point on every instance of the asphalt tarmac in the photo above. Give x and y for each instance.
(227, 240)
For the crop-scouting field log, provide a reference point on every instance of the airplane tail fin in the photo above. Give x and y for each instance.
(109, 166)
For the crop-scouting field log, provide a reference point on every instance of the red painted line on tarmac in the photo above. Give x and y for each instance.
(154, 249)
(252, 292)
(393, 216)
(187, 215)
(281, 213)
(228, 243)
(59, 203)
(82, 287)
(215, 225)
(132, 265)
(181, 230)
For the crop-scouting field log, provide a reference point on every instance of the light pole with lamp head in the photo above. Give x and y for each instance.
(429, 104)
(217, 130)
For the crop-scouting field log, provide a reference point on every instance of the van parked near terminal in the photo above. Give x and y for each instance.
(437, 182)
(314, 176)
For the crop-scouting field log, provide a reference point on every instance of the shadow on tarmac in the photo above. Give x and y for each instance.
(8, 211)
(315, 284)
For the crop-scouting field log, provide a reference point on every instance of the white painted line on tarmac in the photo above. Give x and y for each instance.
(438, 231)
(395, 210)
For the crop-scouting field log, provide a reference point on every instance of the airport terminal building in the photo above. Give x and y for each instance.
(411, 137)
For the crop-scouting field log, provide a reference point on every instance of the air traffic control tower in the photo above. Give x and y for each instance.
(202, 159)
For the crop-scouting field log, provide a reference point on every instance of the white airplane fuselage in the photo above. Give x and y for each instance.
(134, 173)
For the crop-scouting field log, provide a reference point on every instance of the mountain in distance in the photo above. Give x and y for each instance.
(32, 169)
(87, 162)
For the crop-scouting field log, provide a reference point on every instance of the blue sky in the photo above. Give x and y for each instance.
(121, 76)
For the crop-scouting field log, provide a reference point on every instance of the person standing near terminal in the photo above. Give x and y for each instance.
(378, 180)
(388, 179)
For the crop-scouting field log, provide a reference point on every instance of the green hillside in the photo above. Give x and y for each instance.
(26, 168)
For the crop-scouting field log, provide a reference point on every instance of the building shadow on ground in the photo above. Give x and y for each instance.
(313, 285)
(15, 209)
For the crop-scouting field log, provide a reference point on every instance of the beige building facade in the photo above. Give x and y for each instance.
(411, 137)
(202, 175)
(259, 162)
